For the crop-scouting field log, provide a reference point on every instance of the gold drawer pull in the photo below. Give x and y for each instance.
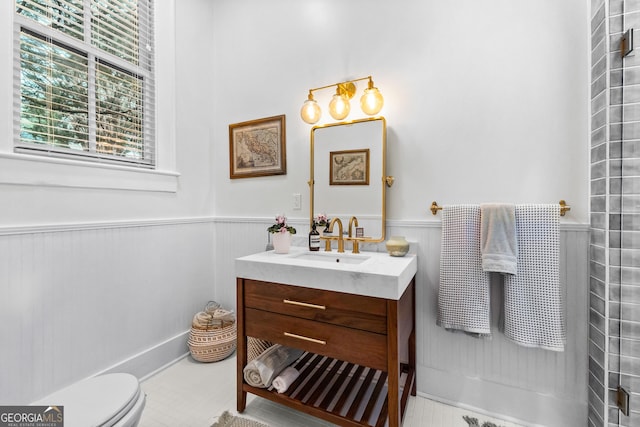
(304, 304)
(300, 337)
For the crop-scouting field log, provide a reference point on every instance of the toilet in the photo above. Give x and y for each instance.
(110, 400)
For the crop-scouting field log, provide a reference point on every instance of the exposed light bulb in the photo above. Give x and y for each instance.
(372, 100)
(310, 111)
(339, 107)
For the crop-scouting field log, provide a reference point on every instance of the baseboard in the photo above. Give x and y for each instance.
(511, 404)
(154, 359)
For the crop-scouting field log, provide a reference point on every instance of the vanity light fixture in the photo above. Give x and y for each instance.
(340, 107)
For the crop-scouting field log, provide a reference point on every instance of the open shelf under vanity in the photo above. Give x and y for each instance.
(340, 392)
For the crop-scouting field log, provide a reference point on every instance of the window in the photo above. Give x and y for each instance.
(84, 80)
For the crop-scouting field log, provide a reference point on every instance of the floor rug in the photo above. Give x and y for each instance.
(473, 422)
(228, 420)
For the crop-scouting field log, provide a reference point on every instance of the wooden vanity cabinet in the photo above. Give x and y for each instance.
(356, 345)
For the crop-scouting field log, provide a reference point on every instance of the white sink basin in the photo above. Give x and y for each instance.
(331, 257)
(373, 274)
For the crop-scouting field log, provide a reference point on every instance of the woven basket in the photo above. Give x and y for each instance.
(212, 345)
(211, 340)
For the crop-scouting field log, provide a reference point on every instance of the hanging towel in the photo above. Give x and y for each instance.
(463, 295)
(533, 306)
(498, 240)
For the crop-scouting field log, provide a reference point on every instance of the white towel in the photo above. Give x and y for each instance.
(533, 306)
(498, 240)
(282, 382)
(463, 295)
(261, 371)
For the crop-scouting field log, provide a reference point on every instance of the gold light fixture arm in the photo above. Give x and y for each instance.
(345, 88)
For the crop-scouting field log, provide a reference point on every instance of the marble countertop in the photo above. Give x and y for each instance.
(373, 274)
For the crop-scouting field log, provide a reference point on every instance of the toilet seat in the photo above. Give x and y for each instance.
(104, 401)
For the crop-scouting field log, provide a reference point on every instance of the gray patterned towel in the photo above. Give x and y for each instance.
(533, 305)
(463, 295)
(498, 238)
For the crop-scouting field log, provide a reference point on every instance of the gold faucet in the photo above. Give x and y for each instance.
(356, 245)
(339, 238)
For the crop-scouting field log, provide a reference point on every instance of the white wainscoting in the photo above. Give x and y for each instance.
(81, 299)
(88, 298)
(498, 377)
(531, 386)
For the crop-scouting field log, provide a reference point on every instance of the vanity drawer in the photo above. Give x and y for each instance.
(360, 347)
(337, 308)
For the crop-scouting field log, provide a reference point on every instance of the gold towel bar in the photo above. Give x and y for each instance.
(563, 208)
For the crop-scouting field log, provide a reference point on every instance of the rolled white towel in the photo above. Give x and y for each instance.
(282, 382)
(261, 371)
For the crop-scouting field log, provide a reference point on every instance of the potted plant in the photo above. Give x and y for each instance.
(322, 222)
(281, 235)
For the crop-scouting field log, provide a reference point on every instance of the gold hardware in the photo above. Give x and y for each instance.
(327, 242)
(386, 179)
(347, 89)
(339, 238)
(564, 208)
(356, 245)
(371, 102)
(435, 208)
(300, 337)
(304, 304)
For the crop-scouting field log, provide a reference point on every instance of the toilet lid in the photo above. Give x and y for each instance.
(95, 401)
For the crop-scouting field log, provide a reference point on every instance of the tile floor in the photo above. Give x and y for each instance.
(193, 394)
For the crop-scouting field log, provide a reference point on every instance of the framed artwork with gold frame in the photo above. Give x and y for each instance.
(258, 148)
(349, 167)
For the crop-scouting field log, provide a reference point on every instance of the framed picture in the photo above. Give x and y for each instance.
(257, 148)
(349, 167)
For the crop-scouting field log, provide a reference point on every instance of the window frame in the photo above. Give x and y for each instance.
(33, 169)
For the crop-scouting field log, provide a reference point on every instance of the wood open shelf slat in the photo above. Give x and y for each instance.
(337, 391)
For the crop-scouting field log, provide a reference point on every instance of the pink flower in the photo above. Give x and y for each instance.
(281, 226)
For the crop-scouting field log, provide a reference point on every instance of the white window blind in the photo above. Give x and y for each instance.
(84, 79)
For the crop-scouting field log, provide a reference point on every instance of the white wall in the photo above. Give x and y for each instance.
(485, 101)
(98, 279)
